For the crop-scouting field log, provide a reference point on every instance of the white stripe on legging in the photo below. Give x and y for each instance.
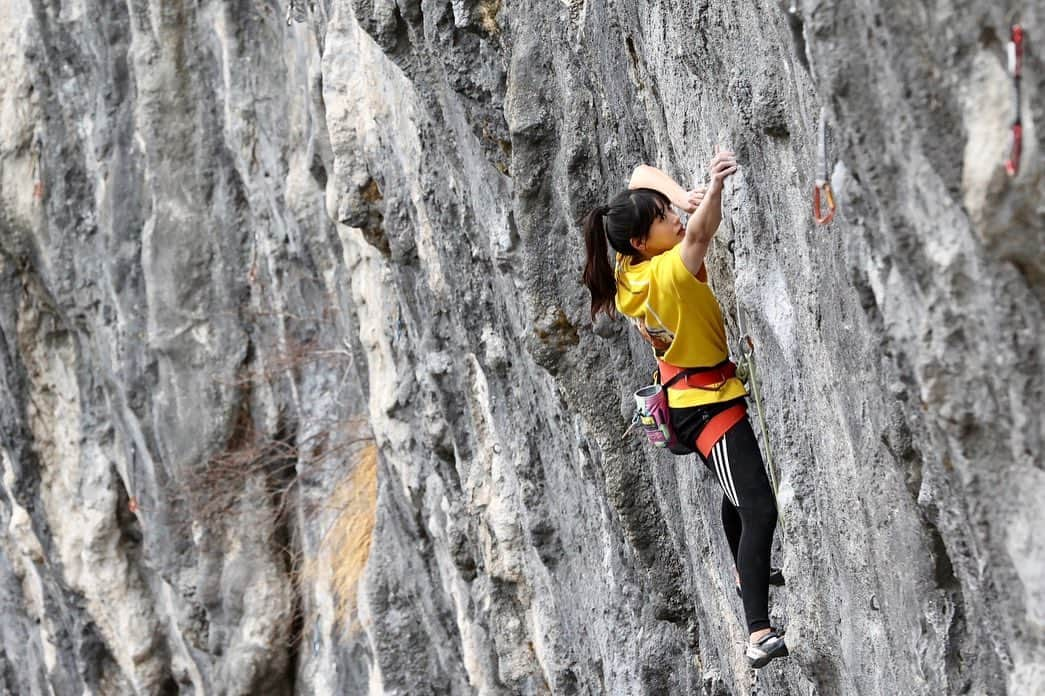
(729, 472)
(721, 468)
(718, 468)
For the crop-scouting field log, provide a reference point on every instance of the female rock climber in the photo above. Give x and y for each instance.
(660, 284)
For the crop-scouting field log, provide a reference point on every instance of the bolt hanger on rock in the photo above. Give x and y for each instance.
(1015, 53)
(822, 187)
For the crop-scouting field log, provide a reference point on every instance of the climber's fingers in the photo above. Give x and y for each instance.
(723, 160)
(693, 198)
(722, 165)
(721, 155)
(723, 169)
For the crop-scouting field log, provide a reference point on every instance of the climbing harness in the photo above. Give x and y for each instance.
(652, 411)
(710, 379)
(1015, 51)
(822, 187)
(716, 428)
(747, 351)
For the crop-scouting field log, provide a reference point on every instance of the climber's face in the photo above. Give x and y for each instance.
(665, 232)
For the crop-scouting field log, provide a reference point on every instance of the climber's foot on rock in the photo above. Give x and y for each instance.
(766, 648)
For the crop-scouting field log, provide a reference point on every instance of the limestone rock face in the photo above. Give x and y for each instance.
(248, 251)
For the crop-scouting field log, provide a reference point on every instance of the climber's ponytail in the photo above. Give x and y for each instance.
(630, 214)
(598, 275)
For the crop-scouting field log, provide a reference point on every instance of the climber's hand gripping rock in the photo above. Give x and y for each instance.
(722, 165)
(704, 221)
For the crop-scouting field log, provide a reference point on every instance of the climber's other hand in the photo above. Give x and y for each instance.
(693, 199)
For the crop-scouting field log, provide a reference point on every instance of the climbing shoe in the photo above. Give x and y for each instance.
(776, 577)
(769, 647)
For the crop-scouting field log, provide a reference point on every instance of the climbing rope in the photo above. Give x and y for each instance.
(1015, 51)
(747, 373)
(747, 351)
(822, 188)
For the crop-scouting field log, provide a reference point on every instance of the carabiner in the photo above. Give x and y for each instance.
(823, 181)
(747, 346)
(1012, 165)
(634, 422)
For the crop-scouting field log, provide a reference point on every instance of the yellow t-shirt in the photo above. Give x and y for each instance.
(680, 317)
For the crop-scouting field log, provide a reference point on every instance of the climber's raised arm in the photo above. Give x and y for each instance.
(704, 221)
(648, 177)
(704, 205)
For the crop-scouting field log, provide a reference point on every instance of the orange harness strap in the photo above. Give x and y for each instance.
(718, 426)
(708, 378)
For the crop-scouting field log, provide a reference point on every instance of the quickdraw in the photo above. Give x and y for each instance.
(132, 500)
(1015, 51)
(38, 185)
(822, 187)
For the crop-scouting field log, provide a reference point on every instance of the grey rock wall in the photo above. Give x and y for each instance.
(237, 253)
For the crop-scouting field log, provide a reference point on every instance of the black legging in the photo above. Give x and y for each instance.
(749, 511)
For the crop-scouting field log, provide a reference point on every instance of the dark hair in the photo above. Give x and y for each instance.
(630, 214)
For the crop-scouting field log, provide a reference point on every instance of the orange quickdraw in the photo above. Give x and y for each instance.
(822, 187)
(1012, 165)
(818, 214)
